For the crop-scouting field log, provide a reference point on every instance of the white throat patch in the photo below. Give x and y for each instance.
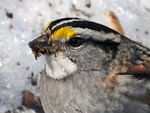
(59, 66)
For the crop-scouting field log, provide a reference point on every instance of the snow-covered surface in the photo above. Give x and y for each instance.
(29, 18)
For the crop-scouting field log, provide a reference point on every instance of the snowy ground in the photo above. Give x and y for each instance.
(23, 20)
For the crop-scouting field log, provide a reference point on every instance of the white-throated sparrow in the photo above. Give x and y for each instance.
(91, 68)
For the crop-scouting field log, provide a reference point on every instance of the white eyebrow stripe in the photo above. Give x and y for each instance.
(65, 21)
(98, 35)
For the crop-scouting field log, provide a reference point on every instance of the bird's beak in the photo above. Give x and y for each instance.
(38, 44)
(43, 45)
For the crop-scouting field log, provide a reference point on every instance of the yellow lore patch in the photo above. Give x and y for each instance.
(65, 32)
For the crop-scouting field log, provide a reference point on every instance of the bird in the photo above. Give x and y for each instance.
(91, 68)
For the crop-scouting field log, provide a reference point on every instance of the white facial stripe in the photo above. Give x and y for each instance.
(59, 67)
(98, 35)
(65, 21)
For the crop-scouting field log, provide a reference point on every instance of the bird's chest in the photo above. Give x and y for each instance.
(74, 94)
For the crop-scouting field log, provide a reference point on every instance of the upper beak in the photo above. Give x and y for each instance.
(39, 44)
(43, 45)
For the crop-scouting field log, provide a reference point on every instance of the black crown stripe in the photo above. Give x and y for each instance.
(86, 24)
(58, 21)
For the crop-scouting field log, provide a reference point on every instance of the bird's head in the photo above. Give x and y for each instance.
(73, 45)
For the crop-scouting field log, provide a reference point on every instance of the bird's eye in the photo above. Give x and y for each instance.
(76, 41)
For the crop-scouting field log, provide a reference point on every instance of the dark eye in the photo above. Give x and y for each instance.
(76, 41)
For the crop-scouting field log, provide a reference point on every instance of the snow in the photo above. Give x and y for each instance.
(29, 18)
